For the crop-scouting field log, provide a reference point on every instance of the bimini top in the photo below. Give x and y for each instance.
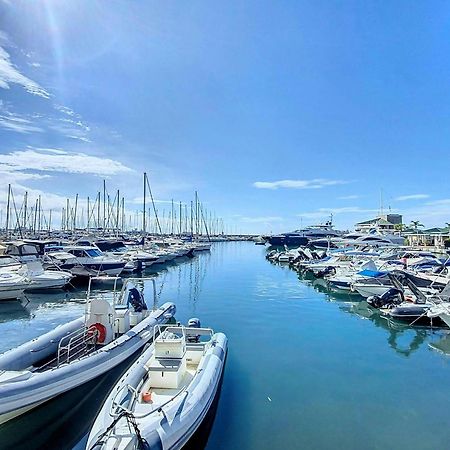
(372, 273)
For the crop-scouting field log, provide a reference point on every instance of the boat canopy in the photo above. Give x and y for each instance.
(372, 273)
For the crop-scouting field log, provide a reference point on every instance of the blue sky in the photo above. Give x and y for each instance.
(278, 113)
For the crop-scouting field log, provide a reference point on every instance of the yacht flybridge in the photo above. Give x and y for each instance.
(304, 235)
(112, 329)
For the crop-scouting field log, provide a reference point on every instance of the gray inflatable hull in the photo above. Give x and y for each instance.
(21, 390)
(171, 428)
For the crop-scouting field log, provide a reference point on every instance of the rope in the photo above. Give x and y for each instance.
(131, 420)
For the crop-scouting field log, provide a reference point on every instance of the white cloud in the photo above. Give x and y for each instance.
(434, 213)
(70, 125)
(74, 129)
(15, 178)
(403, 198)
(49, 200)
(349, 197)
(14, 122)
(56, 160)
(323, 212)
(442, 202)
(317, 183)
(10, 74)
(66, 110)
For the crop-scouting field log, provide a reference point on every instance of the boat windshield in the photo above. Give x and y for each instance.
(92, 252)
(7, 260)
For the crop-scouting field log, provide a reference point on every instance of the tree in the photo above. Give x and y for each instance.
(399, 226)
(416, 224)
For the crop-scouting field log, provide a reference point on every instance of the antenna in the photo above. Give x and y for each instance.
(381, 201)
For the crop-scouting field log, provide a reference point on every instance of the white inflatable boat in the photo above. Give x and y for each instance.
(111, 330)
(165, 395)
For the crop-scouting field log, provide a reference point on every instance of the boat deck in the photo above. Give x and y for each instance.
(160, 396)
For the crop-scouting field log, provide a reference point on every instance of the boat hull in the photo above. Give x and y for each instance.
(37, 387)
(11, 294)
(186, 413)
(288, 240)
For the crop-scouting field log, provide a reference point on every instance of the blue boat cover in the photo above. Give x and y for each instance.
(371, 273)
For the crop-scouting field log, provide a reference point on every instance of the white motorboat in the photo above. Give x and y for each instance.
(164, 396)
(85, 261)
(202, 246)
(12, 285)
(441, 306)
(9, 264)
(41, 279)
(112, 329)
(34, 272)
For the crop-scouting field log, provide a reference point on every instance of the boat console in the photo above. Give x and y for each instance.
(168, 366)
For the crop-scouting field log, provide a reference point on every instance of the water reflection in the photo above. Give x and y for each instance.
(63, 422)
(442, 345)
(403, 339)
(14, 310)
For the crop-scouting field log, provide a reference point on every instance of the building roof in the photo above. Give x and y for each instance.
(377, 220)
(368, 222)
(382, 221)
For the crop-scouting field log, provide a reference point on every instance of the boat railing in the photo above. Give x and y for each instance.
(121, 408)
(77, 344)
(72, 346)
(160, 330)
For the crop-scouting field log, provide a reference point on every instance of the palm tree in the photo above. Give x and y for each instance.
(416, 224)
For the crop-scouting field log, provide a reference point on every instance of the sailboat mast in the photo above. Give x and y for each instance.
(7, 210)
(144, 208)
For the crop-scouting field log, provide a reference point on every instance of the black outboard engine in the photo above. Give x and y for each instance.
(194, 323)
(328, 271)
(136, 300)
(391, 297)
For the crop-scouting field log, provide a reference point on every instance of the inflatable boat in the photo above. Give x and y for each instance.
(165, 395)
(111, 330)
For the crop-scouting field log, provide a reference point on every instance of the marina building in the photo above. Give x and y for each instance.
(384, 222)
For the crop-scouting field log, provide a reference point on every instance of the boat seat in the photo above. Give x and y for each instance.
(122, 322)
(167, 365)
(166, 373)
(170, 348)
(194, 353)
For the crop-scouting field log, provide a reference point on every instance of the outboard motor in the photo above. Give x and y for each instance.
(194, 323)
(136, 300)
(328, 271)
(390, 298)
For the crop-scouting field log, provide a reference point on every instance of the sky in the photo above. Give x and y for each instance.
(278, 113)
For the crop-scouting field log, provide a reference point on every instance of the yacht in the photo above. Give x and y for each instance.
(303, 236)
(83, 260)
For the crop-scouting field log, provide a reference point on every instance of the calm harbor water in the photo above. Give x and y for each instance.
(305, 369)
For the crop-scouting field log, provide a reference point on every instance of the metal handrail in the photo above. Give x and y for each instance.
(76, 341)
